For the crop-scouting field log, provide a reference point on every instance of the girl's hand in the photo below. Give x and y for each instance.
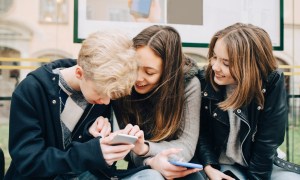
(112, 153)
(101, 127)
(160, 163)
(140, 147)
(214, 174)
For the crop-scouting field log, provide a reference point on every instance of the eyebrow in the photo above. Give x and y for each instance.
(149, 68)
(220, 58)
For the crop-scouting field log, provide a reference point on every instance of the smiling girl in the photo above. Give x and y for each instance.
(165, 102)
(244, 109)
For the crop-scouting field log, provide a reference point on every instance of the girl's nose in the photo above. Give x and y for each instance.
(216, 65)
(140, 76)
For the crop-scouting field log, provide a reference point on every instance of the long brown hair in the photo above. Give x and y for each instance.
(250, 61)
(164, 106)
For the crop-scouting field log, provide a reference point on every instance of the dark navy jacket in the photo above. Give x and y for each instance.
(35, 135)
(262, 129)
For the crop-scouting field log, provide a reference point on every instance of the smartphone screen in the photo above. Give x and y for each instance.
(186, 164)
(140, 8)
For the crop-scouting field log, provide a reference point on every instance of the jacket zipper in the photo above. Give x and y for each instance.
(244, 139)
(254, 133)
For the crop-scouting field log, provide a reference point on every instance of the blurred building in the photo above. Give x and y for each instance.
(33, 32)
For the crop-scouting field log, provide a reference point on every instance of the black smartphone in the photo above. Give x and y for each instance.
(230, 173)
(140, 8)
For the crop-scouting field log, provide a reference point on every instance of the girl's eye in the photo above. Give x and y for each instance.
(226, 63)
(149, 73)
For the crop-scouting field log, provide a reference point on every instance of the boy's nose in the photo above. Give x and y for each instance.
(104, 100)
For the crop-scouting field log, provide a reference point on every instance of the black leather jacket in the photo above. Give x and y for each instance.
(261, 132)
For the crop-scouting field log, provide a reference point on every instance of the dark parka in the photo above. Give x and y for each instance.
(261, 132)
(35, 135)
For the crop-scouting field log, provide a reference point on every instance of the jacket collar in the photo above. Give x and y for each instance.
(210, 93)
(45, 75)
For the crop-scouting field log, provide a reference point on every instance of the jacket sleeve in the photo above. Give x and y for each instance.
(33, 156)
(188, 140)
(270, 131)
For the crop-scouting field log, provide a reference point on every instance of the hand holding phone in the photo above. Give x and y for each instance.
(123, 139)
(186, 164)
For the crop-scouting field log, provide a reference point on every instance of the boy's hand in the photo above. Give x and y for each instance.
(112, 153)
(169, 171)
(101, 127)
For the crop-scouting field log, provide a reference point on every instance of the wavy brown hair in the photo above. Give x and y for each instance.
(164, 106)
(251, 59)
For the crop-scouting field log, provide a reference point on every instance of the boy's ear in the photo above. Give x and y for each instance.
(79, 72)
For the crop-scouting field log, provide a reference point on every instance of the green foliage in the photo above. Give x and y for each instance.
(294, 147)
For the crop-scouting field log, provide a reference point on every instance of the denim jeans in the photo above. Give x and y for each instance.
(147, 174)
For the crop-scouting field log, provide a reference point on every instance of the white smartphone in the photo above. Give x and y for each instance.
(140, 8)
(124, 139)
(186, 164)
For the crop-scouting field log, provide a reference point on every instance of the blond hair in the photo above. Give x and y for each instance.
(109, 60)
(251, 60)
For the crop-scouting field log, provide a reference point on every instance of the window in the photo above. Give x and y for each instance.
(5, 5)
(53, 11)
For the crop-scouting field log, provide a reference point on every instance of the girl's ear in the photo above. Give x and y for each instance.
(79, 72)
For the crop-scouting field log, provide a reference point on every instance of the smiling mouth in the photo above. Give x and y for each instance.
(140, 85)
(219, 76)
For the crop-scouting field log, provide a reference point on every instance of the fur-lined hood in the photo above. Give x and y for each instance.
(190, 69)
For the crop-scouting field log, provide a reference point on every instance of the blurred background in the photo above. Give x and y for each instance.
(34, 32)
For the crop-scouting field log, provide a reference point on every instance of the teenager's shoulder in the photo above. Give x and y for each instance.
(275, 78)
(193, 85)
(201, 73)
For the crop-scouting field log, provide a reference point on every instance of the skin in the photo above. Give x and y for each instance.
(112, 153)
(169, 171)
(86, 86)
(149, 71)
(220, 64)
